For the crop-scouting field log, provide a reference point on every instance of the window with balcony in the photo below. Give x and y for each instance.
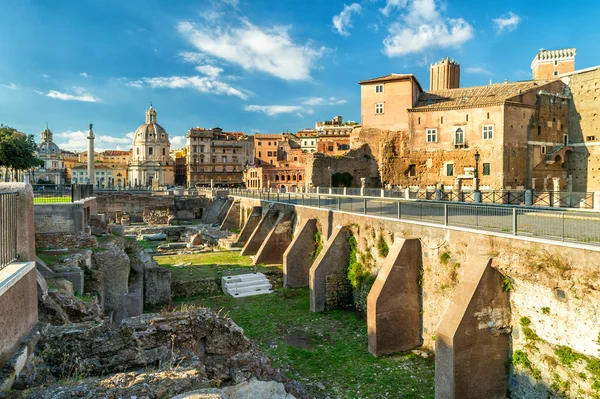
(431, 135)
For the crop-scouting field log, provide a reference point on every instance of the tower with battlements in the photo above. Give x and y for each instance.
(550, 64)
(444, 75)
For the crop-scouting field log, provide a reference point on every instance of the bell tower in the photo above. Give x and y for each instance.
(150, 115)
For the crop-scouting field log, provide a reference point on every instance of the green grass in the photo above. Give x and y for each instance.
(50, 200)
(208, 264)
(329, 355)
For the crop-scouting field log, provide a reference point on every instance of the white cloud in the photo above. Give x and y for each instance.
(421, 27)
(254, 48)
(209, 70)
(190, 56)
(478, 70)
(80, 95)
(177, 141)
(273, 109)
(201, 84)
(343, 20)
(85, 75)
(11, 86)
(392, 4)
(136, 84)
(45, 76)
(77, 141)
(233, 3)
(508, 21)
(323, 101)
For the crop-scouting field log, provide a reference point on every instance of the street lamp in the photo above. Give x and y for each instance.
(330, 177)
(476, 193)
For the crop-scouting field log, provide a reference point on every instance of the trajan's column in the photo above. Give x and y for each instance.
(90, 168)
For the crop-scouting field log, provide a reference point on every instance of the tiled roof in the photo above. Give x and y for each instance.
(477, 96)
(268, 136)
(115, 152)
(390, 77)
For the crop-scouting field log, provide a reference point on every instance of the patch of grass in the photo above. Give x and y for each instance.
(236, 231)
(332, 359)
(208, 264)
(150, 244)
(528, 332)
(520, 358)
(567, 356)
(51, 200)
(382, 246)
(50, 259)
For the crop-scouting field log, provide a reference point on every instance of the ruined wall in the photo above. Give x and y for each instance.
(584, 130)
(358, 162)
(556, 287)
(152, 209)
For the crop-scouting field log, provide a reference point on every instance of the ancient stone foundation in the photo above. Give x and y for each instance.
(277, 241)
(250, 225)
(332, 261)
(472, 338)
(394, 302)
(260, 233)
(298, 258)
(232, 219)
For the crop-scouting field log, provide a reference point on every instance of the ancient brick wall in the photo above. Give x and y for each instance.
(358, 162)
(584, 130)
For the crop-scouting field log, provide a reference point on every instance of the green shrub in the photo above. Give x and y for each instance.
(506, 283)
(318, 244)
(520, 358)
(382, 246)
(444, 258)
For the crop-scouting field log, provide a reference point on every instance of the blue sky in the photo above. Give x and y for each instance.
(253, 66)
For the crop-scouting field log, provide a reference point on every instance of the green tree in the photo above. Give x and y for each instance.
(17, 150)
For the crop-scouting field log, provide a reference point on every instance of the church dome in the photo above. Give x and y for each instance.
(47, 147)
(150, 132)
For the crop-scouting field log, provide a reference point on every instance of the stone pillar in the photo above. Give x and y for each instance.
(298, 258)
(90, 163)
(471, 347)
(394, 302)
(597, 201)
(260, 233)
(545, 183)
(332, 259)
(533, 179)
(407, 193)
(556, 189)
(24, 219)
(528, 198)
(250, 225)
(277, 241)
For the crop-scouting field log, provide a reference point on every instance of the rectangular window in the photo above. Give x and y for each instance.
(565, 139)
(449, 169)
(431, 135)
(379, 89)
(379, 108)
(412, 170)
(259, 143)
(488, 132)
(486, 169)
(270, 153)
(543, 149)
(224, 159)
(555, 73)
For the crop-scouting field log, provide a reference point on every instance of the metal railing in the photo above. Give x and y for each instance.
(55, 193)
(8, 228)
(554, 224)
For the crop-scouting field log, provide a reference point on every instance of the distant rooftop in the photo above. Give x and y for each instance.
(553, 54)
(389, 78)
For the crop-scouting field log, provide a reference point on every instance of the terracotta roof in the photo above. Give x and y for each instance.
(388, 78)
(115, 152)
(477, 96)
(276, 136)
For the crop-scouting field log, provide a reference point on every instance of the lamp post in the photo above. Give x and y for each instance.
(476, 193)
(330, 177)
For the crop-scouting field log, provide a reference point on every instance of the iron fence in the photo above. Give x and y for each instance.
(55, 193)
(554, 224)
(8, 228)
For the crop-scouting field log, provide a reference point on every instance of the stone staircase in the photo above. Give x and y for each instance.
(244, 285)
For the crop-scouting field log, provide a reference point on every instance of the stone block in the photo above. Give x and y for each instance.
(260, 233)
(157, 286)
(126, 220)
(277, 241)
(250, 225)
(117, 229)
(132, 304)
(332, 259)
(298, 259)
(25, 216)
(394, 302)
(471, 343)
(75, 277)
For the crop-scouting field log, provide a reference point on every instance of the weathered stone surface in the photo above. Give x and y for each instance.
(393, 304)
(277, 241)
(333, 259)
(125, 220)
(206, 393)
(98, 225)
(250, 225)
(113, 262)
(255, 389)
(64, 240)
(260, 232)
(196, 239)
(232, 219)
(298, 258)
(173, 235)
(471, 353)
